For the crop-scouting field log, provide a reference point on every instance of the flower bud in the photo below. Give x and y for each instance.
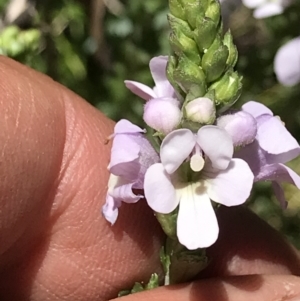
(214, 11)
(211, 95)
(241, 126)
(194, 91)
(227, 89)
(189, 75)
(214, 60)
(233, 53)
(172, 63)
(193, 10)
(181, 44)
(201, 110)
(176, 9)
(205, 33)
(162, 114)
(177, 24)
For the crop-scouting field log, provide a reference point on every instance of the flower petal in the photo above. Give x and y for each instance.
(279, 193)
(283, 144)
(279, 173)
(162, 114)
(124, 126)
(286, 63)
(216, 144)
(175, 148)
(268, 10)
(256, 109)
(252, 3)
(125, 194)
(147, 157)
(158, 66)
(254, 155)
(159, 190)
(125, 149)
(140, 89)
(124, 156)
(197, 225)
(110, 209)
(229, 187)
(240, 125)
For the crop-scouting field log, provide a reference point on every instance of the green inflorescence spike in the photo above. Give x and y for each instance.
(203, 57)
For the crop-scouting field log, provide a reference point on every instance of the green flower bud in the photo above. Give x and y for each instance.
(214, 60)
(227, 89)
(205, 33)
(183, 45)
(177, 25)
(214, 11)
(189, 75)
(233, 53)
(193, 11)
(176, 9)
(204, 4)
(195, 91)
(171, 66)
(211, 95)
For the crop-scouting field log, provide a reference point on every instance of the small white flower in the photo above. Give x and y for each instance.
(213, 175)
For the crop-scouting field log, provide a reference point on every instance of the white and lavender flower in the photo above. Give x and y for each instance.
(196, 169)
(272, 147)
(162, 110)
(240, 125)
(131, 155)
(162, 88)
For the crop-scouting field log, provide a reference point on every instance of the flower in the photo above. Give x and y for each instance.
(201, 110)
(162, 114)
(287, 63)
(162, 110)
(266, 8)
(131, 155)
(212, 174)
(272, 147)
(162, 88)
(240, 125)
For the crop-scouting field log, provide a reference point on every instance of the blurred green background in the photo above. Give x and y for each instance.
(92, 46)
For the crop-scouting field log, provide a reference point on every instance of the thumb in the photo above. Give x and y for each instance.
(239, 288)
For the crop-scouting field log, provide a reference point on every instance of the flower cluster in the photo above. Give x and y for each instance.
(206, 158)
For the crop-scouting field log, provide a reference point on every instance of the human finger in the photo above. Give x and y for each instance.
(54, 242)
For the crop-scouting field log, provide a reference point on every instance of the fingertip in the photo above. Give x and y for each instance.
(242, 288)
(248, 245)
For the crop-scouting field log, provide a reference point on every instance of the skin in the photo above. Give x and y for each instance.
(54, 243)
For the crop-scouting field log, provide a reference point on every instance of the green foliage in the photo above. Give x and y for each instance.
(139, 287)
